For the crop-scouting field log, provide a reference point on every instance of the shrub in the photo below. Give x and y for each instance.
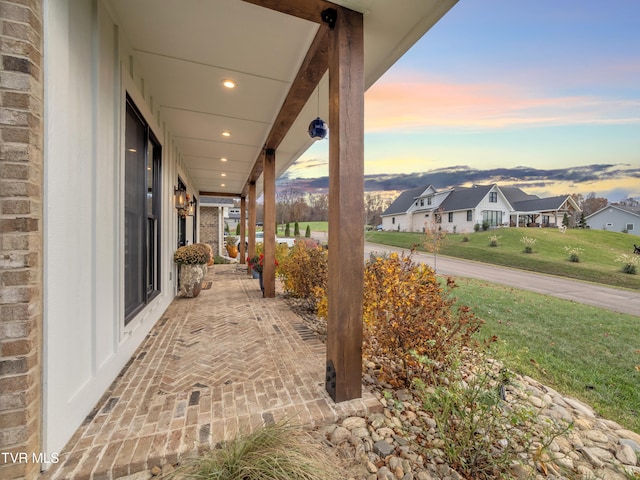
(629, 263)
(528, 244)
(409, 319)
(483, 424)
(476, 227)
(238, 229)
(465, 239)
(485, 225)
(287, 230)
(304, 271)
(296, 229)
(493, 241)
(307, 232)
(198, 253)
(574, 253)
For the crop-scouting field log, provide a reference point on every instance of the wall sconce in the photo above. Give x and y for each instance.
(191, 208)
(180, 198)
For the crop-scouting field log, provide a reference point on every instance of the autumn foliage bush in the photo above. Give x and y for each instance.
(410, 324)
(304, 271)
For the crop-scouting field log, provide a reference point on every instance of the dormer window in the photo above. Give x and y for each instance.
(428, 200)
(422, 202)
(493, 197)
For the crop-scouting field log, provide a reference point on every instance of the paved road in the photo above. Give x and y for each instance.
(617, 300)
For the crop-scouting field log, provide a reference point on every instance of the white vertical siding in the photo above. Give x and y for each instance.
(85, 341)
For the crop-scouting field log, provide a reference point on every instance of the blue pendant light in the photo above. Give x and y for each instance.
(318, 127)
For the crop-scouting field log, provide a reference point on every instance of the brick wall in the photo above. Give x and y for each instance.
(209, 227)
(21, 130)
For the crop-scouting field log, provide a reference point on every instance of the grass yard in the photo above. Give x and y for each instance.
(315, 227)
(581, 351)
(597, 261)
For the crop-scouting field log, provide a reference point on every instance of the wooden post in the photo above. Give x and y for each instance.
(243, 230)
(346, 206)
(269, 268)
(252, 222)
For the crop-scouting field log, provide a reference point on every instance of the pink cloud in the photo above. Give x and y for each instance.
(425, 103)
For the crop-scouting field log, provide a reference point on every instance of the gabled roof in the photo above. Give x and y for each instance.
(630, 210)
(463, 198)
(541, 204)
(405, 200)
(514, 194)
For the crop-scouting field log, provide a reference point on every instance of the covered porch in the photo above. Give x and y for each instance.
(224, 362)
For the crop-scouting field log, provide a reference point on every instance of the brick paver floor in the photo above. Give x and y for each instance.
(221, 363)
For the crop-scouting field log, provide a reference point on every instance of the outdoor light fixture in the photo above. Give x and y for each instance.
(318, 127)
(180, 198)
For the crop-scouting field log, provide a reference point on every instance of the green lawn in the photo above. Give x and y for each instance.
(315, 227)
(597, 262)
(582, 351)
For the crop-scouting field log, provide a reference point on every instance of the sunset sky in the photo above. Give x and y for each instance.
(541, 94)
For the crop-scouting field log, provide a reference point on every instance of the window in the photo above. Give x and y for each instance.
(393, 220)
(469, 215)
(428, 200)
(450, 217)
(629, 227)
(494, 218)
(493, 197)
(422, 202)
(141, 213)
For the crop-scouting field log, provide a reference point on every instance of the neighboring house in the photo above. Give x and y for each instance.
(616, 219)
(460, 209)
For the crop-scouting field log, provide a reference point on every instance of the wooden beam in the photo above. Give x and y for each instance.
(252, 222)
(346, 206)
(219, 194)
(269, 224)
(243, 230)
(311, 71)
(306, 9)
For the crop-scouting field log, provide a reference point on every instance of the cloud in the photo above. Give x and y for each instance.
(620, 179)
(415, 105)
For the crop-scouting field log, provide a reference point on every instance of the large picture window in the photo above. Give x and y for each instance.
(494, 218)
(141, 213)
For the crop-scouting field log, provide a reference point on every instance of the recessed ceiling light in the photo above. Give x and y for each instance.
(223, 159)
(223, 174)
(222, 185)
(226, 133)
(228, 83)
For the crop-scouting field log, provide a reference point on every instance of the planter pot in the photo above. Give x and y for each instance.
(255, 274)
(191, 279)
(261, 282)
(232, 251)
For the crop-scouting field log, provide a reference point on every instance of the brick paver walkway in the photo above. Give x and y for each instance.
(223, 362)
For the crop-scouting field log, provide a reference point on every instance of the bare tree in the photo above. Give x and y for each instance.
(374, 205)
(434, 236)
(287, 196)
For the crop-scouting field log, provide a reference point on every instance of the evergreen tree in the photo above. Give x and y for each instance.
(287, 230)
(307, 232)
(565, 220)
(238, 229)
(296, 230)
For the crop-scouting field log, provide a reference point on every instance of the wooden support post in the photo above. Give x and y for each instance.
(252, 222)
(346, 206)
(243, 230)
(269, 268)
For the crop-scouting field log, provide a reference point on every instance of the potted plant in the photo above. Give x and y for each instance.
(232, 246)
(192, 260)
(257, 265)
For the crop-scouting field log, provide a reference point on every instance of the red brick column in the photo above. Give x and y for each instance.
(21, 235)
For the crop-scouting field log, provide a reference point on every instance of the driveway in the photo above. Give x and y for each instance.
(614, 299)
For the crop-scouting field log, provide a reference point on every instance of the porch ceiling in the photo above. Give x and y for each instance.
(184, 50)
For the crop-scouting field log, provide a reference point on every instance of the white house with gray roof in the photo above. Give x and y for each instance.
(460, 209)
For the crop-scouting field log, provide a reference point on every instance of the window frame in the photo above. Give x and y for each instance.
(148, 259)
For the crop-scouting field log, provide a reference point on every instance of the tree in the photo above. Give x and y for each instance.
(590, 204)
(287, 230)
(374, 206)
(307, 232)
(565, 219)
(433, 237)
(296, 229)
